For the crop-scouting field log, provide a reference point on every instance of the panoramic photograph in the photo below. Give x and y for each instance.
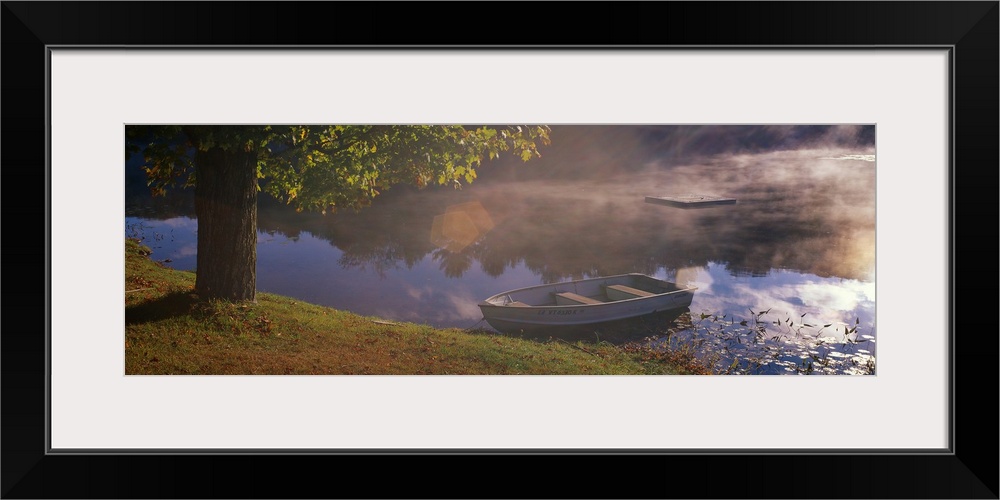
(500, 249)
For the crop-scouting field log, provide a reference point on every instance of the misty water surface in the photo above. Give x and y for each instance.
(799, 244)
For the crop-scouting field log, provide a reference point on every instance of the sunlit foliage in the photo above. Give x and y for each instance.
(329, 167)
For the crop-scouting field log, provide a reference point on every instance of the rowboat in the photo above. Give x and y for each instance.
(584, 302)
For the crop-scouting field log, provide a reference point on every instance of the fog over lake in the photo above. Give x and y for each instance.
(799, 243)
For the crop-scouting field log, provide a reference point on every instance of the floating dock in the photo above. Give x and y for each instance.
(690, 201)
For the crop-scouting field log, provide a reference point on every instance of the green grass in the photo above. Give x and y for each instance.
(168, 330)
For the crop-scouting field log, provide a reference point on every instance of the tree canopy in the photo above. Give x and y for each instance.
(334, 166)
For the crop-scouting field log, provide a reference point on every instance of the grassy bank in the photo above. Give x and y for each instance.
(169, 331)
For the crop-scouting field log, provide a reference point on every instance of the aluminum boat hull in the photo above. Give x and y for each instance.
(602, 300)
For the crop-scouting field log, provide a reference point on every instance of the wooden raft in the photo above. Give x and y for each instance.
(690, 201)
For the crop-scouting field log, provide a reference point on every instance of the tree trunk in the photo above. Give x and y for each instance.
(226, 207)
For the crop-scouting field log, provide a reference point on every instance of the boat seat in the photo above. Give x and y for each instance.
(517, 304)
(570, 299)
(622, 292)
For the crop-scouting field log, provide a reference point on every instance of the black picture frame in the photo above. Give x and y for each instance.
(968, 470)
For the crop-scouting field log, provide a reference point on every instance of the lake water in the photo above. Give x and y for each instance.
(794, 259)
